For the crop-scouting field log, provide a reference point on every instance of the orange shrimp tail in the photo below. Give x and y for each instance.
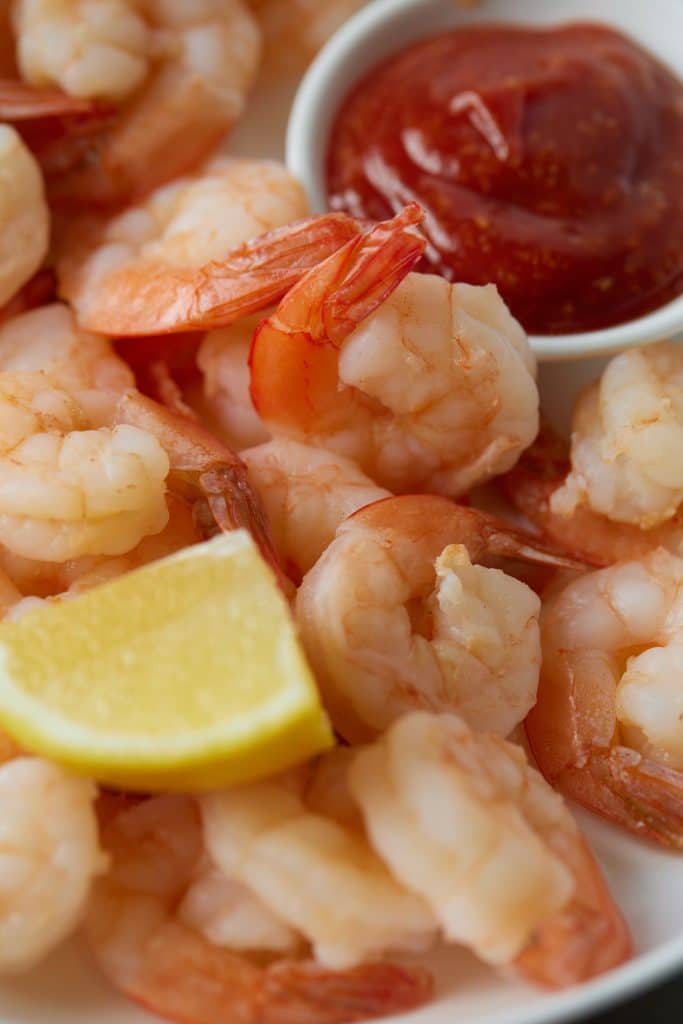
(306, 992)
(166, 300)
(585, 939)
(216, 986)
(22, 102)
(205, 471)
(633, 791)
(571, 734)
(585, 535)
(294, 355)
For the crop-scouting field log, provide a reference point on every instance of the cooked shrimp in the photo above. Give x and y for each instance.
(396, 617)
(69, 490)
(149, 954)
(49, 855)
(321, 878)
(307, 492)
(225, 403)
(429, 388)
(65, 580)
(229, 915)
(202, 470)
(607, 729)
(24, 215)
(462, 819)
(84, 365)
(588, 535)
(294, 32)
(627, 434)
(617, 493)
(199, 254)
(178, 73)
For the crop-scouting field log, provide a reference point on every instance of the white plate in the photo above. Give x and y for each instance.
(647, 882)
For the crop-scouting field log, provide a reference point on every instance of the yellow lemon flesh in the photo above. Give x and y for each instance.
(186, 674)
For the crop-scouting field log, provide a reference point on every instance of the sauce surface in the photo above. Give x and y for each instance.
(549, 162)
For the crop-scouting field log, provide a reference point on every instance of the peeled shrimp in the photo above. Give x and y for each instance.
(585, 534)
(307, 492)
(63, 581)
(318, 876)
(147, 951)
(429, 388)
(225, 403)
(24, 215)
(195, 255)
(396, 617)
(177, 73)
(84, 365)
(617, 493)
(229, 915)
(49, 855)
(67, 489)
(607, 729)
(627, 434)
(294, 32)
(463, 820)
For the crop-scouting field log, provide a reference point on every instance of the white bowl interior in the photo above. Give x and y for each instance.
(386, 26)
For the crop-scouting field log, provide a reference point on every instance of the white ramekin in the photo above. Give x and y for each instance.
(386, 26)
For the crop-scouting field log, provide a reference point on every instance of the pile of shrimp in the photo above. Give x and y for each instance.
(184, 350)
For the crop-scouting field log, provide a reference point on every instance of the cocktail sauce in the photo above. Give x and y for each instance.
(549, 161)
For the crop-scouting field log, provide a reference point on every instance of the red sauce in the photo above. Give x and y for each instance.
(549, 162)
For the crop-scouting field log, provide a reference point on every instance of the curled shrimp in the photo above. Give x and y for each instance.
(319, 876)
(176, 73)
(427, 385)
(202, 470)
(21, 102)
(173, 265)
(50, 581)
(48, 340)
(307, 492)
(462, 819)
(395, 616)
(70, 488)
(607, 726)
(49, 855)
(617, 492)
(151, 955)
(25, 219)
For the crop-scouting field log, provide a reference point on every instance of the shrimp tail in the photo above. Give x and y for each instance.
(648, 796)
(217, 986)
(205, 471)
(297, 993)
(170, 301)
(322, 310)
(22, 102)
(368, 270)
(584, 939)
(503, 541)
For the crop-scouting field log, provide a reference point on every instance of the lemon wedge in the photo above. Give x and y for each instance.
(186, 674)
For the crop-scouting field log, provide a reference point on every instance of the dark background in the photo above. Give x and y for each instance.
(664, 1005)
